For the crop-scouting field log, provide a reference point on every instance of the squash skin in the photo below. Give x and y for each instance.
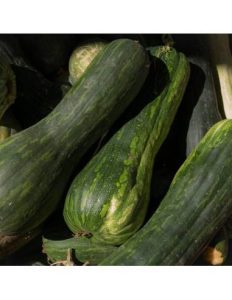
(10, 244)
(109, 197)
(205, 113)
(32, 160)
(191, 212)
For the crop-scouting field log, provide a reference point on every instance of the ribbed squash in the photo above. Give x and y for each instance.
(33, 161)
(109, 197)
(197, 204)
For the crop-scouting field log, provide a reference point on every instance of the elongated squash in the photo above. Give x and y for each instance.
(10, 244)
(109, 197)
(198, 203)
(204, 115)
(205, 112)
(32, 160)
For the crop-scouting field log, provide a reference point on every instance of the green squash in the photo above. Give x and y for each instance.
(205, 112)
(197, 204)
(109, 197)
(33, 160)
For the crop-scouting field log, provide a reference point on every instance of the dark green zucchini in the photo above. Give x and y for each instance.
(205, 112)
(198, 111)
(109, 197)
(188, 127)
(32, 161)
(204, 115)
(81, 248)
(198, 203)
(10, 244)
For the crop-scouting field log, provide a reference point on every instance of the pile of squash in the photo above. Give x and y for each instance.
(115, 150)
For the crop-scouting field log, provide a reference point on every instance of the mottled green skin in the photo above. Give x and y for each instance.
(85, 250)
(109, 197)
(7, 87)
(32, 161)
(198, 202)
(92, 252)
